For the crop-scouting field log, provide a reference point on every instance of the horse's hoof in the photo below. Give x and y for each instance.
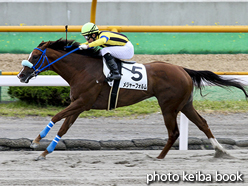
(40, 158)
(219, 153)
(160, 157)
(34, 145)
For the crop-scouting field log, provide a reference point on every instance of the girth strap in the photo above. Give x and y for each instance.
(114, 91)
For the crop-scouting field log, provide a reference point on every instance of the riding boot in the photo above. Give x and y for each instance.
(115, 74)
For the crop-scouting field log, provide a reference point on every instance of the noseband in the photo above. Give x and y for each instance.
(43, 56)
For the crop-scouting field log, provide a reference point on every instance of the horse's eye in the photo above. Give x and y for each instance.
(35, 57)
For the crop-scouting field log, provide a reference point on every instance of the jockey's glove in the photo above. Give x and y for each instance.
(83, 47)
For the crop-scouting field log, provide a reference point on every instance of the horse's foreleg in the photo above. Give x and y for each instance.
(173, 133)
(42, 134)
(63, 129)
(74, 107)
(70, 113)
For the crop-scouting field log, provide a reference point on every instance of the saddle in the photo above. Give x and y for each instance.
(119, 61)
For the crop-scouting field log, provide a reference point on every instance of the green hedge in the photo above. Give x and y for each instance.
(43, 96)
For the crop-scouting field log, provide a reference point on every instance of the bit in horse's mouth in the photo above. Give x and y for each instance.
(24, 81)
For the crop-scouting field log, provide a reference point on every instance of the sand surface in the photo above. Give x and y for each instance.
(232, 125)
(119, 168)
(217, 63)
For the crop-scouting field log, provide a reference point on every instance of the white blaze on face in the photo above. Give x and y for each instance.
(23, 67)
(18, 75)
(30, 55)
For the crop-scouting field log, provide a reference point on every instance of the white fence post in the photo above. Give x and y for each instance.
(183, 138)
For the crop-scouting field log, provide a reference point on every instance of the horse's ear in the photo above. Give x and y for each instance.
(46, 45)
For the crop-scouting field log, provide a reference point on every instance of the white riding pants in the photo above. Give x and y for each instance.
(120, 52)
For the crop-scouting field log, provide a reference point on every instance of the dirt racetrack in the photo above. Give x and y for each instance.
(123, 168)
(216, 63)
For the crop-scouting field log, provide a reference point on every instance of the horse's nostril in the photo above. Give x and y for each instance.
(21, 75)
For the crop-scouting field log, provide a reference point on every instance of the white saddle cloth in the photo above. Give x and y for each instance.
(133, 76)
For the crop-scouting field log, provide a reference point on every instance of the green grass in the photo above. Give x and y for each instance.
(21, 109)
(228, 106)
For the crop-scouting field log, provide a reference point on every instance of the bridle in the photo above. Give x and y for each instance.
(43, 57)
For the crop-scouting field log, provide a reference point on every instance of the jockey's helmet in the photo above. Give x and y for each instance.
(89, 28)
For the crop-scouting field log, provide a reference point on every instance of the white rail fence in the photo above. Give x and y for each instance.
(38, 81)
(58, 81)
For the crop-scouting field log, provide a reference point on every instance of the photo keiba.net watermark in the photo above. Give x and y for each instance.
(197, 176)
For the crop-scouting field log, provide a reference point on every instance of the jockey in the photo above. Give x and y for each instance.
(113, 45)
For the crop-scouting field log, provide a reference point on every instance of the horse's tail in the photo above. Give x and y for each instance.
(214, 79)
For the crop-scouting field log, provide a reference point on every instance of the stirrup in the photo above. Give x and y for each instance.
(111, 77)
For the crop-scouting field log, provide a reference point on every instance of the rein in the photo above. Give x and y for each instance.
(39, 69)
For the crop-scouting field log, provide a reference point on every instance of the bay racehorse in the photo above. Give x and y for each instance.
(172, 86)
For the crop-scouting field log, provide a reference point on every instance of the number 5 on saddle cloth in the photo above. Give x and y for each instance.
(133, 76)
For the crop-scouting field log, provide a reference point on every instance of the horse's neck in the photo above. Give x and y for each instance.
(75, 66)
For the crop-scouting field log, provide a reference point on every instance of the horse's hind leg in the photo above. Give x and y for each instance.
(201, 123)
(173, 132)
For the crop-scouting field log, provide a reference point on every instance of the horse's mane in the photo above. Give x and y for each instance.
(69, 45)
